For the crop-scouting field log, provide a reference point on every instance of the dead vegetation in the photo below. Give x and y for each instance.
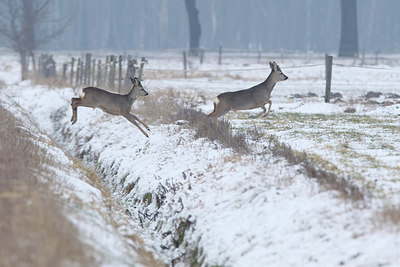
(327, 179)
(389, 213)
(33, 229)
(174, 107)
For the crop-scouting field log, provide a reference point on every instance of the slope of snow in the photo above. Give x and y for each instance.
(241, 210)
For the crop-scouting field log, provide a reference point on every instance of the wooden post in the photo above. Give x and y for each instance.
(106, 65)
(328, 76)
(184, 65)
(72, 70)
(111, 77)
(201, 55)
(88, 62)
(220, 55)
(142, 61)
(376, 57)
(130, 72)
(119, 73)
(65, 67)
(82, 72)
(40, 64)
(363, 57)
(93, 71)
(78, 69)
(99, 83)
(258, 56)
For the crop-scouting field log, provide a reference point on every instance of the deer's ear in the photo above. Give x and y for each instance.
(134, 81)
(271, 65)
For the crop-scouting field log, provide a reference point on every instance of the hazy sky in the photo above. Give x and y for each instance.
(269, 25)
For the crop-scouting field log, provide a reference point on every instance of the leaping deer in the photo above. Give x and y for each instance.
(114, 104)
(255, 97)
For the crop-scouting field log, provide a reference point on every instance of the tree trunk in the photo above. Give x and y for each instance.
(24, 65)
(194, 27)
(349, 33)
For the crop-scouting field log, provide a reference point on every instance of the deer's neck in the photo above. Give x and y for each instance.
(269, 83)
(132, 95)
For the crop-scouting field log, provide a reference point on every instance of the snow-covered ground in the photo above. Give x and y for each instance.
(187, 194)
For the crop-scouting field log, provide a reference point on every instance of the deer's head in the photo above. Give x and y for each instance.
(137, 88)
(276, 73)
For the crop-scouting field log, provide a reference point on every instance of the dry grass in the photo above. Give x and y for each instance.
(215, 130)
(327, 179)
(33, 229)
(171, 107)
(52, 82)
(389, 214)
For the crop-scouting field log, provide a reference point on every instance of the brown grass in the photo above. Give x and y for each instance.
(388, 214)
(327, 179)
(171, 107)
(33, 229)
(53, 82)
(215, 130)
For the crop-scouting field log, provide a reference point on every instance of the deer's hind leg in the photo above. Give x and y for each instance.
(74, 104)
(219, 110)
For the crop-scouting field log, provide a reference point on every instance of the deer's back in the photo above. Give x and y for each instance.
(109, 102)
(244, 99)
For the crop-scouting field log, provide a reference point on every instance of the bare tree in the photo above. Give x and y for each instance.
(20, 23)
(194, 26)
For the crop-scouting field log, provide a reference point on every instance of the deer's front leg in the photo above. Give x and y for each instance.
(259, 114)
(144, 124)
(131, 118)
(269, 108)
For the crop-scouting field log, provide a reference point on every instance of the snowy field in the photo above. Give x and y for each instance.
(193, 200)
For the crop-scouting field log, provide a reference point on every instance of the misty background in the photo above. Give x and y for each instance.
(267, 25)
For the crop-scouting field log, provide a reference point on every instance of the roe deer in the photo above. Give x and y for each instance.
(255, 97)
(111, 103)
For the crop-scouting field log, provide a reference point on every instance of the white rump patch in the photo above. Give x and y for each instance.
(81, 94)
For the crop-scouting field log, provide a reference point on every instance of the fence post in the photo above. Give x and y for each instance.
(184, 64)
(88, 62)
(65, 67)
(78, 66)
(201, 55)
(328, 76)
(376, 57)
(119, 73)
(72, 70)
(143, 60)
(220, 55)
(130, 72)
(93, 71)
(111, 77)
(99, 83)
(82, 72)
